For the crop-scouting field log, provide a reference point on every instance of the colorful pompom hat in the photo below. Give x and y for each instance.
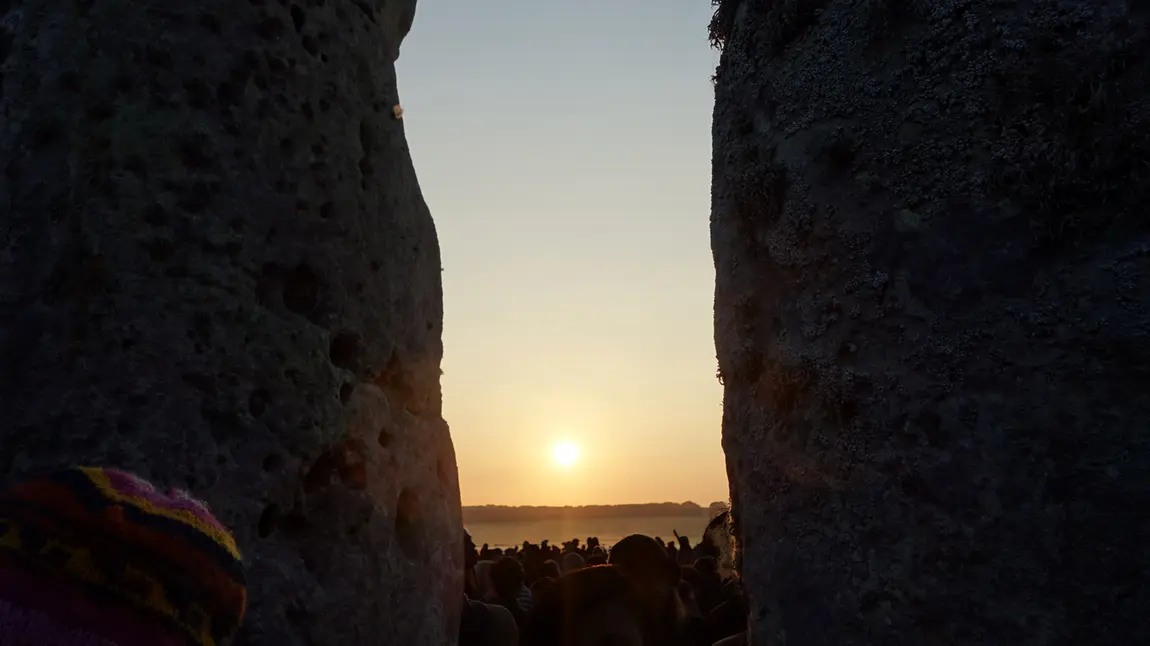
(99, 557)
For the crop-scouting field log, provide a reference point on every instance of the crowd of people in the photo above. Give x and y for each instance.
(640, 592)
(99, 557)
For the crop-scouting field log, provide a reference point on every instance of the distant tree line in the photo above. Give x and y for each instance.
(500, 513)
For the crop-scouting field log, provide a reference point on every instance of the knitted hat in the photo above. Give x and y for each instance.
(92, 556)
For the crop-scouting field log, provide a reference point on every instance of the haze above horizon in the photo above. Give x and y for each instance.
(564, 151)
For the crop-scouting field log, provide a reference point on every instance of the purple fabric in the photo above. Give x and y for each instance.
(130, 486)
(51, 614)
(22, 627)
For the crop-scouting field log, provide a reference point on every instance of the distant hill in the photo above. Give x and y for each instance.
(500, 513)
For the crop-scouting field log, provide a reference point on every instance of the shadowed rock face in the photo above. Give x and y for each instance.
(931, 246)
(217, 270)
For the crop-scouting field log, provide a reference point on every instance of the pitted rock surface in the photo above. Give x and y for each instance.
(217, 270)
(931, 317)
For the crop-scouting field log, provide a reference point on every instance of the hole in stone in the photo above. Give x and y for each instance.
(311, 45)
(321, 473)
(272, 462)
(70, 81)
(201, 382)
(100, 112)
(155, 215)
(271, 28)
(307, 110)
(848, 411)
(354, 475)
(366, 138)
(211, 23)
(345, 392)
(326, 210)
(46, 133)
(442, 472)
(135, 165)
(298, 17)
(384, 437)
(258, 402)
(229, 93)
(160, 250)
(294, 524)
(394, 379)
(123, 83)
(344, 350)
(195, 152)
(202, 327)
(269, 520)
(158, 57)
(407, 524)
(197, 199)
(301, 291)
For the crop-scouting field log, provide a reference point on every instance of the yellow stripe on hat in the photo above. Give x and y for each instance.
(218, 534)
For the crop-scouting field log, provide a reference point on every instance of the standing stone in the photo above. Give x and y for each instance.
(932, 252)
(217, 270)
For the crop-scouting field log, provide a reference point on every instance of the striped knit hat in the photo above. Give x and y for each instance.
(98, 557)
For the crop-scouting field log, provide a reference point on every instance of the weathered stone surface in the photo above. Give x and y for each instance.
(931, 317)
(217, 269)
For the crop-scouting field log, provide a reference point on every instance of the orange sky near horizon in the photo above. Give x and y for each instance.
(564, 150)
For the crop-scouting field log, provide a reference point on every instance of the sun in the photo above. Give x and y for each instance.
(565, 454)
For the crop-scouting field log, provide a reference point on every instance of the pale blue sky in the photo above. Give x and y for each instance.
(564, 149)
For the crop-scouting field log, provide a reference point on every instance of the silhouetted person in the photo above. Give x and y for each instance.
(470, 558)
(506, 581)
(710, 583)
(596, 559)
(686, 552)
(540, 586)
(646, 563)
(572, 561)
(597, 606)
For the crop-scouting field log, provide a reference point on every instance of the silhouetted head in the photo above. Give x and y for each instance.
(506, 577)
(707, 566)
(551, 568)
(572, 561)
(645, 559)
(483, 578)
(691, 576)
(470, 555)
(597, 606)
(540, 586)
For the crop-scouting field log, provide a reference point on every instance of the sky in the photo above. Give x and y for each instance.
(564, 149)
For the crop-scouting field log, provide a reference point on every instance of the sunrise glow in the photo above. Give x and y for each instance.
(566, 454)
